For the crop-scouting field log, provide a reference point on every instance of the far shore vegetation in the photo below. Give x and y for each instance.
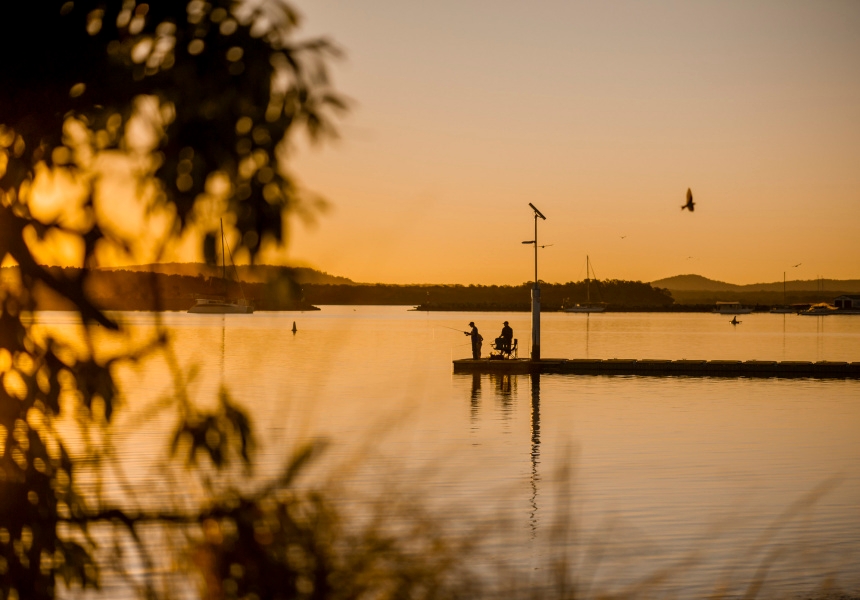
(174, 287)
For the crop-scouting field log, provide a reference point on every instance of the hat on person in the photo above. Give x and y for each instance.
(471, 323)
(505, 323)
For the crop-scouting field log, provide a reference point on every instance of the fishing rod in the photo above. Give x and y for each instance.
(453, 329)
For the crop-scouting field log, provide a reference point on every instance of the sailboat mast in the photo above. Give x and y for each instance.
(587, 281)
(223, 261)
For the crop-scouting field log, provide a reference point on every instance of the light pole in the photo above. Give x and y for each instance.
(535, 292)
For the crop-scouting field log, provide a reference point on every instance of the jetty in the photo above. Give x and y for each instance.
(661, 368)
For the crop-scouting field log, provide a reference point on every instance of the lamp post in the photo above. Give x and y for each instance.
(535, 291)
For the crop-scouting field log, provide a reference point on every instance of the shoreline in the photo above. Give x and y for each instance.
(469, 307)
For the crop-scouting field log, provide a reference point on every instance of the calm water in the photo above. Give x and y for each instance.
(711, 474)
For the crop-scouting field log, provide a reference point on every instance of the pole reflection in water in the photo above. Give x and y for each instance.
(223, 344)
(504, 389)
(535, 450)
(783, 336)
(475, 398)
(819, 339)
(587, 323)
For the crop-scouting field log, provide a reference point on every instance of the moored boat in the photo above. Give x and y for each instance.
(588, 306)
(820, 309)
(584, 308)
(220, 304)
(732, 308)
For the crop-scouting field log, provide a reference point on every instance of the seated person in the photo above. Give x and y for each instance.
(508, 336)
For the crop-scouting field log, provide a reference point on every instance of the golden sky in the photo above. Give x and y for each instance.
(602, 114)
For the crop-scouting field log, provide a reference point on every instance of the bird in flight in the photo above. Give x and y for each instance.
(797, 265)
(690, 204)
(623, 236)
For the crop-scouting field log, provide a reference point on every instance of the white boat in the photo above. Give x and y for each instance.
(588, 306)
(584, 308)
(732, 308)
(820, 309)
(221, 305)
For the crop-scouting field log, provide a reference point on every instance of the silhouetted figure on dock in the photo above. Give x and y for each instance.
(508, 337)
(476, 340)
(690, 204)
(734, 321)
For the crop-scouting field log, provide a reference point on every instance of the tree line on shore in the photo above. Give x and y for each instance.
(121, 289)
(492, 297)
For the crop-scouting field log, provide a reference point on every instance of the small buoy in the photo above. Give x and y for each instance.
(295, 329)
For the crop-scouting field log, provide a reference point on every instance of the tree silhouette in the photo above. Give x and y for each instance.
(188, 94)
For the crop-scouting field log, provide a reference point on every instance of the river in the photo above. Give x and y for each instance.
(710, 478)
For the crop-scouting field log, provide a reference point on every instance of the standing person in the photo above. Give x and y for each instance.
(476, 340)
(508, 336)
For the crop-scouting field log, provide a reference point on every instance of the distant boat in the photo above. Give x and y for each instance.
(732, 308)
(217, 306)
(588, 306)
(221, 305)
(820, 309)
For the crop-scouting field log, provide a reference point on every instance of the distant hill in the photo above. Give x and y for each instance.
(694, 283)
(697, 283)
(250, 274)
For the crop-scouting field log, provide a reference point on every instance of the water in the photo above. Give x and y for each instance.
(708, 476)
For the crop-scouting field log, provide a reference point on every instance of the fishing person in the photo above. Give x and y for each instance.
(476, 340)
(508, 337)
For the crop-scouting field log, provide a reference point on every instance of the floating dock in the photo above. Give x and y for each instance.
(662, 368)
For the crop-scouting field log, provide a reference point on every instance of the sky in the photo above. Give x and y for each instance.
(601, 114)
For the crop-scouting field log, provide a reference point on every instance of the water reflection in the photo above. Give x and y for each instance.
(587, 328)
(783, 336)
(504, 388)
(223, 343)
(819, 338)
(535, 450)
(475, 399)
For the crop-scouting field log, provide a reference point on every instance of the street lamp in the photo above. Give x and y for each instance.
(535, 291)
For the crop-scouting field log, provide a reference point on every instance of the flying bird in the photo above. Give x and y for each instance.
(623, 236)
(690, 204)
(797, 265)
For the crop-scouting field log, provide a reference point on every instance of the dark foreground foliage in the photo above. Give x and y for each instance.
(193, 106)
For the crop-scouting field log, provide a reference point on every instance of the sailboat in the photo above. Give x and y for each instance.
(784, 309)
(588, 307)
(221, 305)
